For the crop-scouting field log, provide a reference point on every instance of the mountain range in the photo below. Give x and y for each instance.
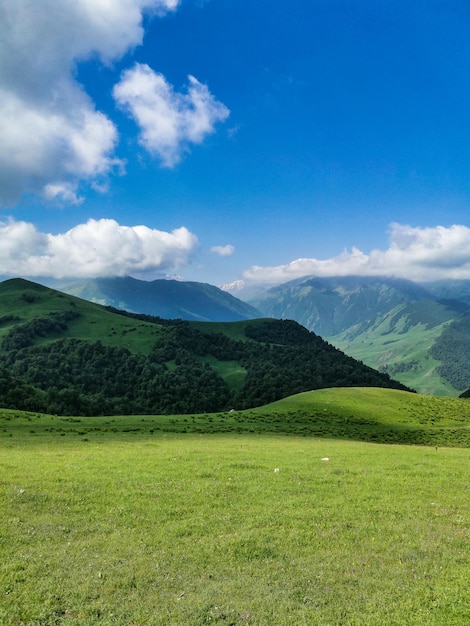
(414, 332)
(406, 329)
(170, 299)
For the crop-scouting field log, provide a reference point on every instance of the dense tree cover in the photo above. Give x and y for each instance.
(24, 335)
(6, 319)
(297, 360)
(285, 333)
(86, 378)
(16, 394)
(452, 349)
(75, 376)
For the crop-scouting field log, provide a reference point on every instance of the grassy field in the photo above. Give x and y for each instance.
(239, 520)
(406, 356)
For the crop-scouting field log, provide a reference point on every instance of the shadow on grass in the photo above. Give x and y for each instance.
(17, 427)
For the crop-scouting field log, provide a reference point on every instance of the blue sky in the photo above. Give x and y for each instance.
(220, 140)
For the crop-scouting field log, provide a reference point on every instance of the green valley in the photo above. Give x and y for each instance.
(393, 325)
(60, 354)
(249, 499)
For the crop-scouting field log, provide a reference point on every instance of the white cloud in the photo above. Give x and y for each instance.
(168, 121)
(420, 254)
(96, 248)
(227, 250)
(63, 191)
(50, 131)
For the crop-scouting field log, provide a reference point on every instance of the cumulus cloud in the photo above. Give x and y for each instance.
(51, 135)
(420, 254)
(169, 121)
(227, 250)
(95, 249)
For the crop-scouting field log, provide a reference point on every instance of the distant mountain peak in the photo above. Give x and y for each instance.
(233, 287)
(163, 297)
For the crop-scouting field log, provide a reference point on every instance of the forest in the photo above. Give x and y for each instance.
(452, 348)
(43, 370)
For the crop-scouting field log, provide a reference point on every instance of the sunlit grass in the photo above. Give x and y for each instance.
(361, 414)
(231, 371)
(233, 518)
(200, 529)
(380, 347)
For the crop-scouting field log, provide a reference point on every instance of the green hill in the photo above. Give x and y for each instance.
(390, 324)
(370, 414)
(64, 355)
(401, 344)
(381, 415)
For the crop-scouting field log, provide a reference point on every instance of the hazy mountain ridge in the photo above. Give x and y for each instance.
(458, 290)
(390, 324)
(164, 298)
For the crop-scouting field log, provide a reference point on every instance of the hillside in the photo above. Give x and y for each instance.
(331, 306)
(450, 290)
(346, 413)
(390, 324)
(170, 299)
(64, 355)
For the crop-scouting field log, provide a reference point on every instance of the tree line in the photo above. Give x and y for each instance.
(70, 376)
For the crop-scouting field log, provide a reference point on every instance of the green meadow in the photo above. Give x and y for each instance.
(334, 507)
(404, 355)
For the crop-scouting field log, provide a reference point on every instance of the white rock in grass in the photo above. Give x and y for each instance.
(276, 470)
(325, 458)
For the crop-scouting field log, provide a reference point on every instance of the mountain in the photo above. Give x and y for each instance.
(240, 289)
(65, 355)
(450, 290)
(390, 324)
(169, 299)
(330, 306)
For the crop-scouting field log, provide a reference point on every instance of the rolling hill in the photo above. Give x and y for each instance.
(393, 325)
(65, 355)
(164, 298)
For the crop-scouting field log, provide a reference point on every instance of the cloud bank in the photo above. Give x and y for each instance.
(101, 248)
(95, 249)
(168, 121)
(419, 254)
(52, 137)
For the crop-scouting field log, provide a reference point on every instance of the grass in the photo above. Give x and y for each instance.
(192, 529)
(406, 356)
(231, 371)
(361, 414)
(130, 521)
